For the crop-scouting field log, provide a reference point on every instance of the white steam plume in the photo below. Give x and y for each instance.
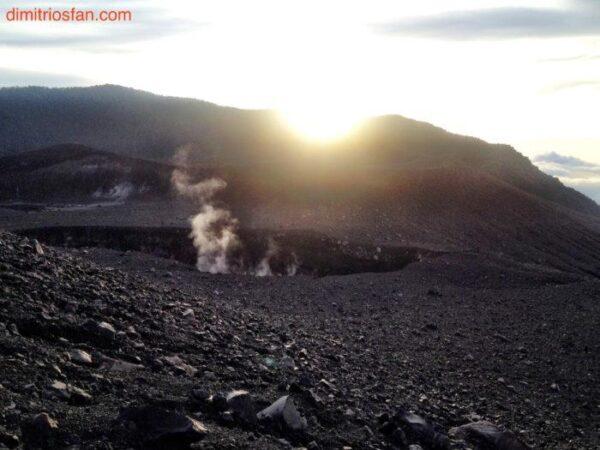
(292, 268)
(213, 228)
(214, 235)
(263, 269)
(201, 192)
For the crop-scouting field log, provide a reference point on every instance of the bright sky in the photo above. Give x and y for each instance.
(524, 72)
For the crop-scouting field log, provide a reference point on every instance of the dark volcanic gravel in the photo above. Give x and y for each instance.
(148, 354)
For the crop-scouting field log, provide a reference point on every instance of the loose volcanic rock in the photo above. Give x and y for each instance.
(40, 431)
(38, 247)
(418, 430)
(360, 335)
(397, 437)
(240, 402)
(73, 394)
(179, 366)
(284, 411)
(118, 365)
(218, 401)
(287, 362)
(105, 329)
(58, 385)
(60, 389)
(101, 334)
(79, 396)
(9, 440)
(161, 428)
(487, 435)
(80, 356)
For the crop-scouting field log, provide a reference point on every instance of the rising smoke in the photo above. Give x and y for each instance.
(263, 268)
(214, 234)
(215, 229)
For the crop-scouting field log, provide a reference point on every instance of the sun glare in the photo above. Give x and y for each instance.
(322, 124)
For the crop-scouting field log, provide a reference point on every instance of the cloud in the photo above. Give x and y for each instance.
(118, 35)
(584, 57)
(573, 84)
(578, 18)
(15, 77)
(574, 172)
(150, 22)
(557, 158)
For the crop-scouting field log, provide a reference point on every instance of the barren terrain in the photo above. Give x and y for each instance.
(432, 292)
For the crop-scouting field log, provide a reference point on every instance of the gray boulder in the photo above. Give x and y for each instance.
(486, 435)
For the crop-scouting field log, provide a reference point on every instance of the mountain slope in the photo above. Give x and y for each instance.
(74, 173)
(140, 124)
(451, 208)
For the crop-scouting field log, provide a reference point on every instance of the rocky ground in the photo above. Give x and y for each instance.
(103, 349)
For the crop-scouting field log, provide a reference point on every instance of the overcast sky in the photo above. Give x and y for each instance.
(521, 72)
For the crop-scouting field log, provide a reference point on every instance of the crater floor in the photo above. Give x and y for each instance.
(455, 339)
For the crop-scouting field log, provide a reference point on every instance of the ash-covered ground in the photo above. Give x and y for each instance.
(451, 304)
(110, 349)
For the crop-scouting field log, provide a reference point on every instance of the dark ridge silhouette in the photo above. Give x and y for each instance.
(143, 125)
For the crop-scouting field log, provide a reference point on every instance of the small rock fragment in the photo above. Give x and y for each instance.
(180, 366)
(240, 402)
(328, 384)
(8, 439)
(287, 362)
(60, 389)
(40, 430)
(218, 401)
(38, 247)
(199, 396)
(398, 438)
(314, 399)
(79, 396)
(99, 332)
(418, 429)
(80, 356)
(118, 365)
(58, 386)
(285, 412)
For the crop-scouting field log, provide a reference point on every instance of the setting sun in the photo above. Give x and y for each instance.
(321, 123)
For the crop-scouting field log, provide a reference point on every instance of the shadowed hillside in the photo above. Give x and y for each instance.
(75, 173)
(139, 124)
(449, 208)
